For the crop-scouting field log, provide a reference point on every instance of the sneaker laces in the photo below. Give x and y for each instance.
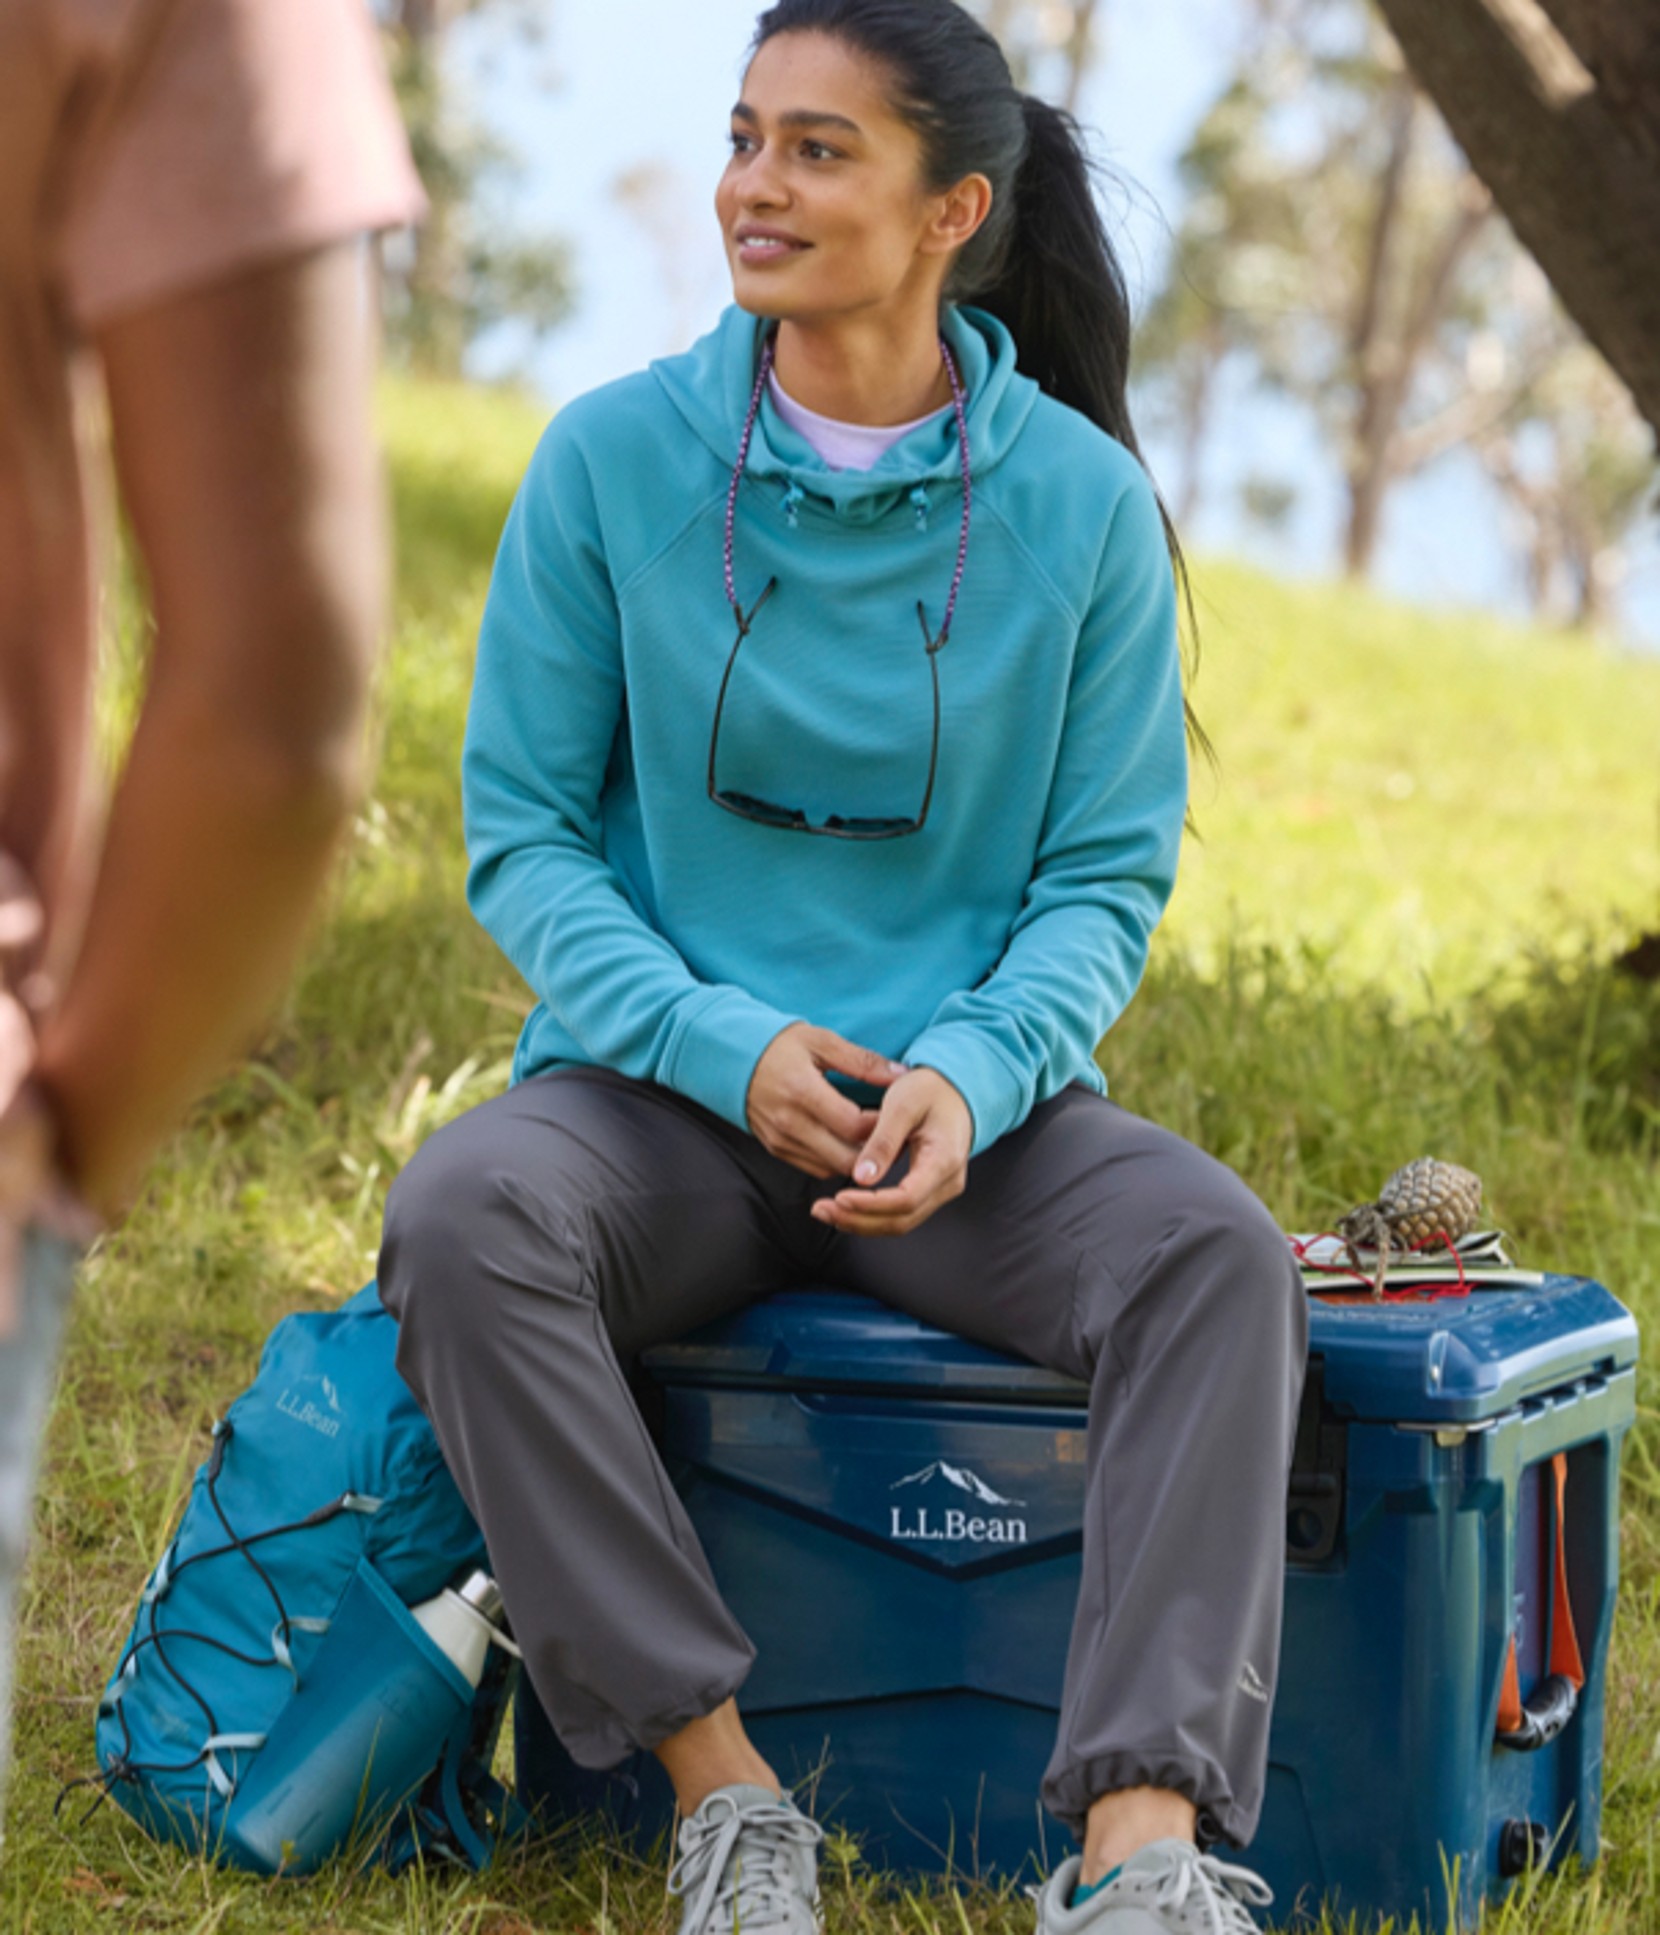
(1219, 1887)
(763, 1882)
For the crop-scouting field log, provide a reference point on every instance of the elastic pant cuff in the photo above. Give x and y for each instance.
(605, 1744)
(1071, 1792)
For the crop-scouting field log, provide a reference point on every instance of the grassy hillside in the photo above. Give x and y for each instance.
(1427, 800)
(1424, 800)
(1424, 836)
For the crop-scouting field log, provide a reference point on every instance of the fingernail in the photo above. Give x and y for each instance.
(866, 1172)
(899, 1068)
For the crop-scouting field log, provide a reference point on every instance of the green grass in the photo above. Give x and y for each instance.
(1432, 800)
(1427, 836)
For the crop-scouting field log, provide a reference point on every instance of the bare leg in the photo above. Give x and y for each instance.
(712, 1752)
(1121, 1823)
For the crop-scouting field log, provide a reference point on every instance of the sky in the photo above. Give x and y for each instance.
(639, 89)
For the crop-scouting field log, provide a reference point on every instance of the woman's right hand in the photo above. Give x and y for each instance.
(800, 1117)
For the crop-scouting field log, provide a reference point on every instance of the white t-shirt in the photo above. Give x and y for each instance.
(843, 446)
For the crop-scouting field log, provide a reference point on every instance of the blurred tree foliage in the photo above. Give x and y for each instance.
(465, 269)
(1571, 457)
(1336, 242)
(1050, 43)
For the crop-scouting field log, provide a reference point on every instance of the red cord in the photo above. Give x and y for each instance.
(1406, 1293)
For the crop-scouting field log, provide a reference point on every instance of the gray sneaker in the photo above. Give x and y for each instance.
(1167, 1888)
(748, 1866)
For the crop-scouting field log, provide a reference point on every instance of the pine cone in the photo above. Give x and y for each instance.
(1424, 1199)
(1427, 1198)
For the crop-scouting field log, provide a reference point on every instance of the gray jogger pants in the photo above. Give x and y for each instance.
(584, 1216)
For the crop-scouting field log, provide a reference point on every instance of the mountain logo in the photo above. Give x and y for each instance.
(1250, 1684)
(960, 1476)
(955, 1525)
(331, 1394)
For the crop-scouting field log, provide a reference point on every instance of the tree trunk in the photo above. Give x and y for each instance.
(1196, 391)
(1379, 379)
(1379, 455)
(436, 273)
(425, 21)
(1079, 51)
(1073, 45)
(1000, 17)
(1594, 569)
(1581, 192)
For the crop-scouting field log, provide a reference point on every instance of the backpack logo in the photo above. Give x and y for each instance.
(296, 1405)
(954, 1523)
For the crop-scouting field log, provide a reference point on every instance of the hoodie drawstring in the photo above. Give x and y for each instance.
(794, 494)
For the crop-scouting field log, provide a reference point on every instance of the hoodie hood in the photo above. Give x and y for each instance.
(711, 384)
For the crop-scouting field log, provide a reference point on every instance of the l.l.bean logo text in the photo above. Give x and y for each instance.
(928, 1521)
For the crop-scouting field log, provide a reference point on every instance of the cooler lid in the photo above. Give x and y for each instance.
(1453, 1360)
(1461, 1359)
(821, 1339)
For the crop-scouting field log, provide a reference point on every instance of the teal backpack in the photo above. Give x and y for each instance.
(273, 1657)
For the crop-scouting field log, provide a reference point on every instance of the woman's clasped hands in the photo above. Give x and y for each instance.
(802, 1118)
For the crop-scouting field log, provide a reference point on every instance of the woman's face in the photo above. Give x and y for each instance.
(822, 207)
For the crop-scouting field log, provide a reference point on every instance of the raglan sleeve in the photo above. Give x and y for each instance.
(1106, 861)
(548, 700)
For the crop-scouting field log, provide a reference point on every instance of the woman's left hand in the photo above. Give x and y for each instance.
(923, 1117)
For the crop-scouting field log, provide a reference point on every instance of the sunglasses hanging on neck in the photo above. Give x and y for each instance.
(792, 819)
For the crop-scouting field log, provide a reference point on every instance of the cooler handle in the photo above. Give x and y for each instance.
(1526, 1725)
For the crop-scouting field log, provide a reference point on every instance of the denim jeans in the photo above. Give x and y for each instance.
(28, 1367)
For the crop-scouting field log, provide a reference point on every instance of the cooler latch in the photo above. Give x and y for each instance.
(1319, 1473)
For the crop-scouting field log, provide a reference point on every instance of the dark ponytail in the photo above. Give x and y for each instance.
(1057, 283)
(1042, 261)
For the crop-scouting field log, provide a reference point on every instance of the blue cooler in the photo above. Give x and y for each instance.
(893, 1514)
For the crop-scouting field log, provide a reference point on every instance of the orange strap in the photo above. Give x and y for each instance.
(1564, 1642)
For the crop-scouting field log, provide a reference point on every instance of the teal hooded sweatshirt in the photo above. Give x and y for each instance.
(672, 940)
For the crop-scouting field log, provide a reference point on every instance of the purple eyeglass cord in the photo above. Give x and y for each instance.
(958, 404)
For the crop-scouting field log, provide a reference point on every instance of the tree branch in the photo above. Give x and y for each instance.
(1619, 41)
(1580, 195)
(1474, 206)
(1473, 416)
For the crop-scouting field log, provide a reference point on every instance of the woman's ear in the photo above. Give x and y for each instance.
(956, 215)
